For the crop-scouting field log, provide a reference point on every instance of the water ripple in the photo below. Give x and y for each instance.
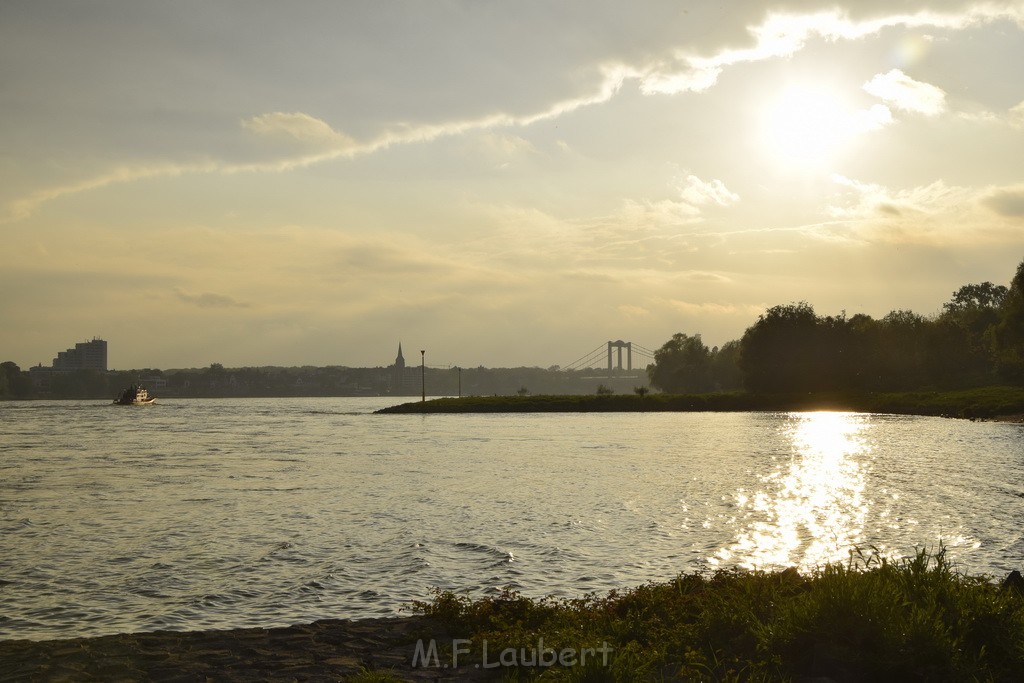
(224, 514)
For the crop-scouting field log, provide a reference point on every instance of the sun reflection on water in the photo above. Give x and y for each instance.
(811, 509)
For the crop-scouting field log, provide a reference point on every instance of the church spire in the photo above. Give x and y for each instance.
(400, 360)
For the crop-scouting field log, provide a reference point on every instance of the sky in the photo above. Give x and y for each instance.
(501, 184)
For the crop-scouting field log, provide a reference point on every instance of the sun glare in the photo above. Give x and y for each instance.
(809, 127)
(812, 509)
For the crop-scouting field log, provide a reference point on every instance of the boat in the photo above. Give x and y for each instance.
(134, 396)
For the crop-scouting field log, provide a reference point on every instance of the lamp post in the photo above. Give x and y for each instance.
(423, 374)
(460, 380)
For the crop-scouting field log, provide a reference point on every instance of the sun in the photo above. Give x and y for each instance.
(810, 127)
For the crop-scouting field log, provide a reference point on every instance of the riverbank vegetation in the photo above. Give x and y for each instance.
(984, 402)
(865, 620)
(977, 340)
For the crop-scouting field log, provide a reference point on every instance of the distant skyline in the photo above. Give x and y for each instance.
(501, 184)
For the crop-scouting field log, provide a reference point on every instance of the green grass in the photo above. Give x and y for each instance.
(870, 619)
(983, 402)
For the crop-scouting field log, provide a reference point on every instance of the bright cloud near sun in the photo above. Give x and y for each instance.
(698, 192)
(903, 92)
(310, 183)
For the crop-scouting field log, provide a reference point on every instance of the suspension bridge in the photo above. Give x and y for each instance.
(609, 356)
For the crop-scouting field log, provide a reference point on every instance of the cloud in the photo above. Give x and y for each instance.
(679, 69)
(633, 312)
(871, 200)
(699, 192)
(591, 276)
(1016, 115)
(329, 144)
(1008, 202)
(903, 92)
(503, 150)
(704, 276)
(873, 118)
(983, 117)
(26, 206)
(381, 259)
(298, 126)
(664, 212)
(507, 145)
(778, 36)
(694, 193)
(710, 308)
(209, 300)
(783, 34)
(936, 214)
(694, 77)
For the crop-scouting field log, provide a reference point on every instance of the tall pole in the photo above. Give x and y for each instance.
(460, 380)
(423, 373)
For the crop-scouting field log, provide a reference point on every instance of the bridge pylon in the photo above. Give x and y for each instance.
(629, 353)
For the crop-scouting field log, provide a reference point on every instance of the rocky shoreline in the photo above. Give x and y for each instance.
(328, 650)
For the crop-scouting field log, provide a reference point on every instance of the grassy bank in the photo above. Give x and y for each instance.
(866, 620)
(985, 402)
(869, 619)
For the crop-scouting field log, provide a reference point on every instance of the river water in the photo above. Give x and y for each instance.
(196, 514)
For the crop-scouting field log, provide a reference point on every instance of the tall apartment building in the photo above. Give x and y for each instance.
(90, 355)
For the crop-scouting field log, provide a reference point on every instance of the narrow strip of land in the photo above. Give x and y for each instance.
(981, 403)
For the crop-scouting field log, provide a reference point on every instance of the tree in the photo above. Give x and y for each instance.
(1008, 333)
(682, 366)
(725, 367)
(982, 296)
(974, 311)
(13, 382)
(840, 353)
(900, 351)
(778, 352)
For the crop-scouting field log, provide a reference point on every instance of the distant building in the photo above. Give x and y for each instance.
(402, 379)
(90, 355)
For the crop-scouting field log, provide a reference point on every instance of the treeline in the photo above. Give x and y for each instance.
(216, 381)
(977, 339)
(16, 383)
